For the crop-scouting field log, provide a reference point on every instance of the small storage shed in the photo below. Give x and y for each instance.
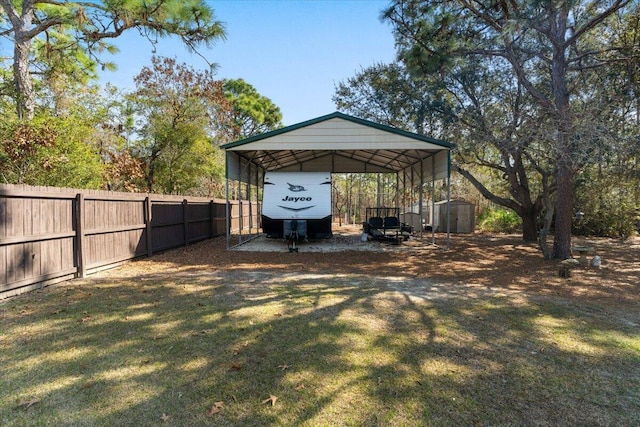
(463, 216)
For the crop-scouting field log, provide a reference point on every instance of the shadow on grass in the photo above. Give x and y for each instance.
(335, 349)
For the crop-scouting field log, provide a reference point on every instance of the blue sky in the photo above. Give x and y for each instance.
(292, 51)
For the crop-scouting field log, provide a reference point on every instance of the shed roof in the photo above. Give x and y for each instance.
(341, 143)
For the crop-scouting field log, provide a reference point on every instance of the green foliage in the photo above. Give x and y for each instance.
(186, 157)
(499, 220)
(53, 151)
(69, 38)
(353, 193)
(212, 182)
(177, 107)
(79, 164)
(388, 94)
(611, 206)
(7, 88)
(252, 113)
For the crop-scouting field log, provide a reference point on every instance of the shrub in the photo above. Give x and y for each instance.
(499, 220)
(610, 204)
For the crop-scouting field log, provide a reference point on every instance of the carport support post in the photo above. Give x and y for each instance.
(240, 214)
(448, 198)
(406, 182)
(433, 200)
(397, 190)
(250, 204)
(420, 196)
(403, 185)
(258, 204)
(226, 205)
(413, 187)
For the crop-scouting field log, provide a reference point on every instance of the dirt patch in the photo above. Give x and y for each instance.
(348, 238)
(473, 262)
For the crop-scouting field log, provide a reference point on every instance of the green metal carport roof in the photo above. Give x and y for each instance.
(338, 143)
(342, 144)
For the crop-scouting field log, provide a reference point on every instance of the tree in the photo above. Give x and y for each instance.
(112, 115)
(78, 32)
(548, 45)
(483, 109)
(498, 132)
(177, 107)
(251, 112)
(390, 95)
(50, 150)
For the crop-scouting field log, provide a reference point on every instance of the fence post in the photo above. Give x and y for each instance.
(185, 222)
(212, 214)
(81, 270)
(147, 223)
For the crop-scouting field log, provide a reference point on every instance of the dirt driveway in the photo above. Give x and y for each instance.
(475, 263)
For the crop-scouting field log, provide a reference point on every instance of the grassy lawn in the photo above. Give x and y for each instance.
(246, 346)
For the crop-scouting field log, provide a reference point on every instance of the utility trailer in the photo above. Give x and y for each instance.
(301, 196)
(383, 223)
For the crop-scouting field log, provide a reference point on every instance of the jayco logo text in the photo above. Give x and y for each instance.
(296, 199)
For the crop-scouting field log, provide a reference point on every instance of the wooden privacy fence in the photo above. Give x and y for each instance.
(48, 234)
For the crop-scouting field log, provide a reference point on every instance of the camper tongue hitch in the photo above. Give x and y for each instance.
(294, 230)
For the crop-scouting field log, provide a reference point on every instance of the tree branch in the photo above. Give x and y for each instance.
(511, 204)
(11, 11)
(617, 5)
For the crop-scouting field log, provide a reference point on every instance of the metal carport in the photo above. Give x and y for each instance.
(337, 143)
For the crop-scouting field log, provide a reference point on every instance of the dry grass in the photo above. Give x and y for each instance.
(483, 334)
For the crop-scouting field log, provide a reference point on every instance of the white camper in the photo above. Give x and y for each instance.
(301, 196)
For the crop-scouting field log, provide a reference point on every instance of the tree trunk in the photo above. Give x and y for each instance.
(529, 226)
(566, 152)
(564, 213)
(25, 96)
(544, 231)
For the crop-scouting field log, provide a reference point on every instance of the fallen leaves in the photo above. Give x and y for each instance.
(165, 417)
(26, 404)
(25, 311)
(272, 399)
(238, 350)
(88, 384)
(216, 408)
